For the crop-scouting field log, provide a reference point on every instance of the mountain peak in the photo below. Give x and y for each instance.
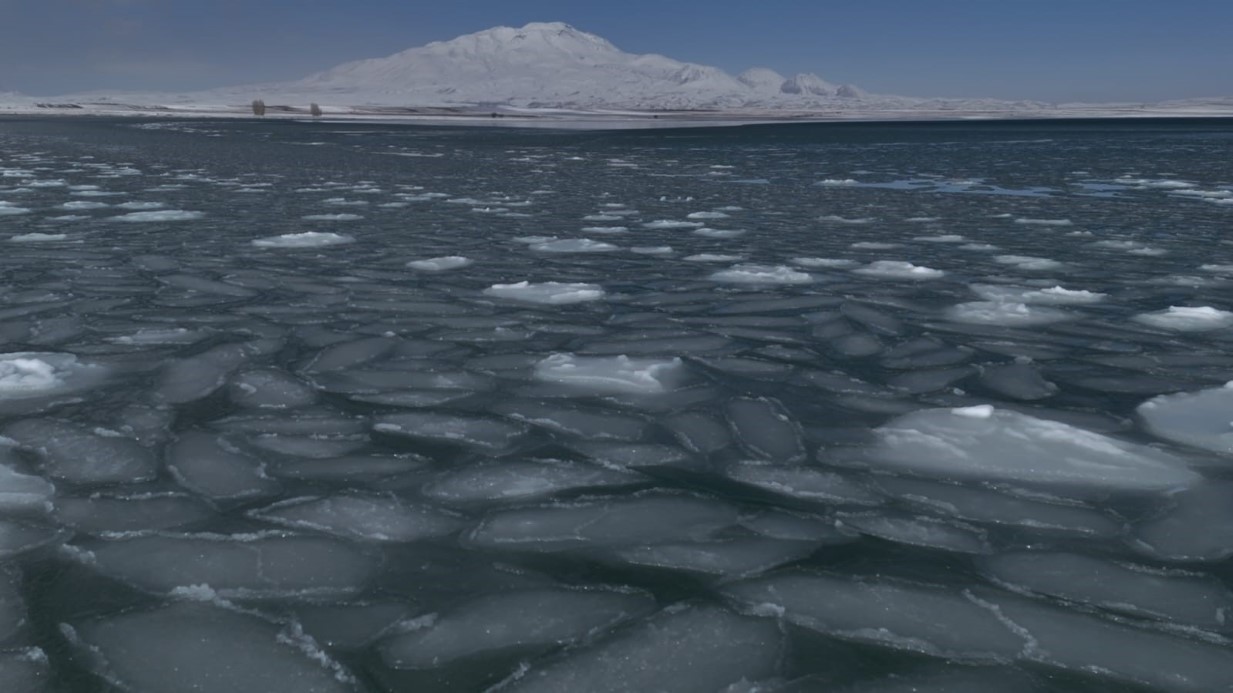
(555, 64)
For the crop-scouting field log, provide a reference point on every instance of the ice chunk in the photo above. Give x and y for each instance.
(1028, 262)
(1044, 222)
(275, 565)
(1198, 528)
(1017, 381)
(350, 626)
(918, 531)
(79, 455)
(550, 293)
(1004, 313)
(440, 264)
(28, 375)
(713, 257)
(573, 245)
(1107, 649)
(1201, 419)
(17, 538)
(728, 558)
(21, 493)
(819, 262)
(985, 505)
(511, 481)
(100, 514)
(332, 217)
(638, 520)
(808, 484)
(38, 238)
(269, 389)
(694, 649)
(897, 269)
(1183, 598)
(652, 250)
(761, 274)
(895, 615)
(618, 374)
(197, 377)
(1187, 319)
(466, 431)
(209, 465)
(362, 517)
(672, 224)
(765, 429)
(526, 621)
(1009, 446)
(24, 671)
(307, 239)
(161, 215)
(192, 646)
(1054, 295)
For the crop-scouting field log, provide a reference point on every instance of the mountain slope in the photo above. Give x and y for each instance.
(554, 65)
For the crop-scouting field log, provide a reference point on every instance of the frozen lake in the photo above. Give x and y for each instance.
(291, 407)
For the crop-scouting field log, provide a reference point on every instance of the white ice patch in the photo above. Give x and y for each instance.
(19, 375)
(332, 217)
(706, 215)
(617, 374)
(605, 229)
(160, 215)
(1027, 262)
(897, 269)
(713, 257)
(836, 219)
(140, 205)
(761, 274)
(1044, 222)
(718, 233)
(672, 224)
(78, 205)
(440, 264)
(8, 209)
(1009, 446)
(1187, 319)
(1052, 296)
(837, 181)
(573, 245)
(821, 262)
(549, 293)
(1004, 313)
(1201, 419)
(944, 238)
(37, 237)
(307, 239)
(652, 250)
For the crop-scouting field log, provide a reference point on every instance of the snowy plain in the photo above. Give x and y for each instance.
(941, 427)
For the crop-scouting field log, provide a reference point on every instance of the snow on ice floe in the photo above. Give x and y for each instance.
(80, 205)
(159, 216)
(1199, 419)
(194, 645)
(8, 209)
(1004, 313)
(530, 620)
(332, 217)
(1187, 318)
(652, 250)
(819, 262)
(38, 238)
(1028, 262)
(307, 239)
(605, 229)
(573, 245)
(713, 257)
(707, 215)
(672, 224)
(761, 274)
(440, 264)
(1053, 295)
(548, 293)
(616, 374)
(998, 445)
(1044, 222)
(718, 233)
(140, 205)
(897, 269)
(33, 374)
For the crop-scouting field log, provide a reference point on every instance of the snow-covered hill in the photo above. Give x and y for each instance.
(551, 64)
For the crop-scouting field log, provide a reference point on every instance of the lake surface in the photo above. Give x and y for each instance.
(337, 407)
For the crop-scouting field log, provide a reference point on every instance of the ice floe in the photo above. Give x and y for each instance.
(1188, 318)
(440, 264)
(306, 239)
(549, 293)
(1200, 419)
(898, 269)
(618, 374)
(761, 274)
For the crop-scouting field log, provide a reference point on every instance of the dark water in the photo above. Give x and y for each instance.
(932, 407)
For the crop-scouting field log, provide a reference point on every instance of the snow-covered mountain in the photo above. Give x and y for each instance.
(553, 65)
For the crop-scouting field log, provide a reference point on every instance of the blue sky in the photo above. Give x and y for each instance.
(1051, 50)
